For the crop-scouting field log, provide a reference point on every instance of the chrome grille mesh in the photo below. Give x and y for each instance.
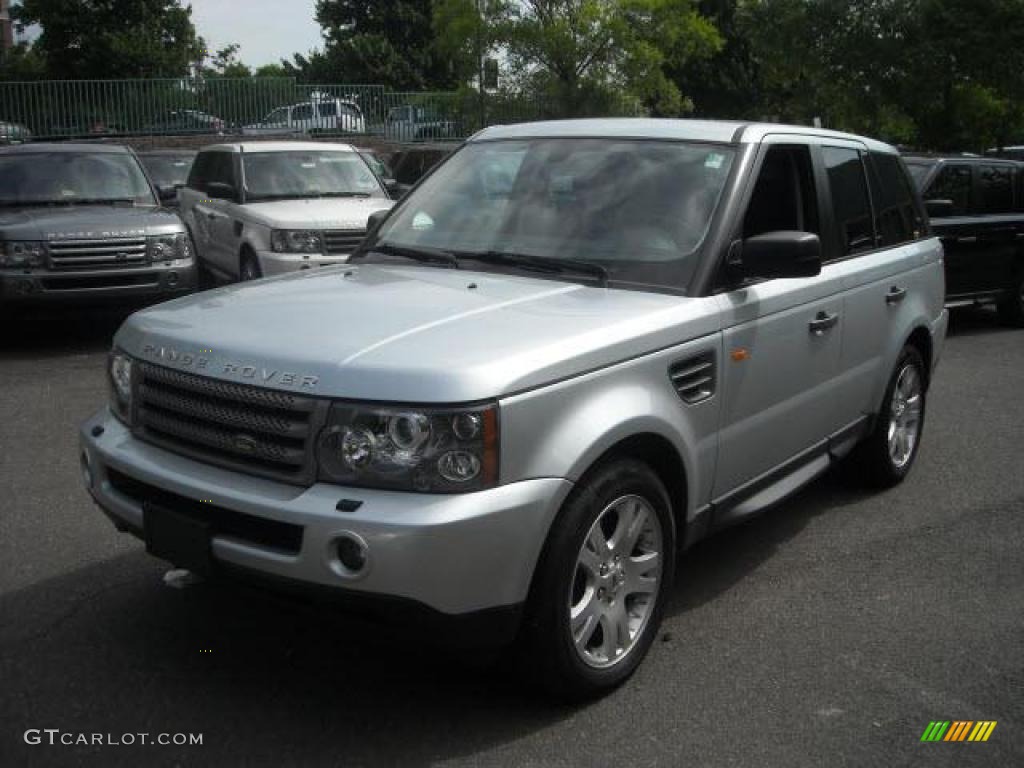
(259, 431)
(97, 253)
(338, 241)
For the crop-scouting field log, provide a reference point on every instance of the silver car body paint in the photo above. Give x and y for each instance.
(574, 368)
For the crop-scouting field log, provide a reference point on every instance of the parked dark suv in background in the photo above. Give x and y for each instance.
(82, 221)
(976, 205)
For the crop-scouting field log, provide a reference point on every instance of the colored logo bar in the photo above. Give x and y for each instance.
(958, 730)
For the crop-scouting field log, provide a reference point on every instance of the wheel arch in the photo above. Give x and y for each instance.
(921, 339)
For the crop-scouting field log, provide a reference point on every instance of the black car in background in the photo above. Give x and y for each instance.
(976, 205)
(168, 169)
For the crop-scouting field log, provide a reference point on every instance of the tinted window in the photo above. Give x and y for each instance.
(302, 112)
(896, 219)
(220, 168)
(72, 177)
(995, 189)
(167, 170)
(299, 174)
(197, 176)
(783, 197)
(849, 199)
(640, 209)
(952, 183)
(329, 109)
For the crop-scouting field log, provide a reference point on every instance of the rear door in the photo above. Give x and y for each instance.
(883, 279)
(991, 270)
(782, 337)
(954, 182)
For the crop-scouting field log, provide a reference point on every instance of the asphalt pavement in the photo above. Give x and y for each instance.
(828, 632)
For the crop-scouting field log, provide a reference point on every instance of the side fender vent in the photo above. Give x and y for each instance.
(694, 378)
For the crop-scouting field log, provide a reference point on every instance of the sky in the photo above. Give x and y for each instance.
(266, 30)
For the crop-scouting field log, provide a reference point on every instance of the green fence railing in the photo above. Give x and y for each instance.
(62, 109)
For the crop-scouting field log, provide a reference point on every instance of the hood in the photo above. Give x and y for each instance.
(86, 222)
(317, 213)
(408, 334)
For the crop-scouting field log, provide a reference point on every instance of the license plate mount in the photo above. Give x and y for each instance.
(177, 538)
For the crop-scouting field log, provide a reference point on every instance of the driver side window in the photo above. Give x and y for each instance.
(784, 198)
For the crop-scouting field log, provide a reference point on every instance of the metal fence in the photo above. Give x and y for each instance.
(61, 109)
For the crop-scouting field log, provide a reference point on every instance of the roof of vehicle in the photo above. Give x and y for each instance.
(166, 152)
(278, 146)
(926, 157)
(720, 131)
(65, 147)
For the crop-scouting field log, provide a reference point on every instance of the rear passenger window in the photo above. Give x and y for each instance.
(953, 183)
(329, 109)
(302, 112)
(849, 200)
(783, 197)
(995, 189)
(896, 218)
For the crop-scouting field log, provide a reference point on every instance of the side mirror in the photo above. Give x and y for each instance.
(218, 190)
(778, 254)
(168, 194)
(375, 220)
(940, 209)
(396, 189)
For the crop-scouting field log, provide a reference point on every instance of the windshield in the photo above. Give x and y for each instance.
(295, 174)
(168, 170)
(638, 209)
(72, 177)
(918, 170)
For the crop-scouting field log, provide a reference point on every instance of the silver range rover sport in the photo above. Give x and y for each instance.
(571, 352)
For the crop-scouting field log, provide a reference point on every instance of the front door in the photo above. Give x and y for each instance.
(781, 337)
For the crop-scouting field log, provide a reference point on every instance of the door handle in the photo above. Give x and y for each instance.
(895, 295)
(822, 322)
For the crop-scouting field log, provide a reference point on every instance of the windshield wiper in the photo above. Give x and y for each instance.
(416, 253)
(67, 201)
(341, 194)
(549, 264)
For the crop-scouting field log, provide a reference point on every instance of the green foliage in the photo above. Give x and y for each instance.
(386, 42)
(580, 54)
(22, 62)
(112, 38)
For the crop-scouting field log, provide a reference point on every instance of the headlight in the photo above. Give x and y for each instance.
(296, 241)
(23, 253)
(432, 450)
(120, 377)
(169, 247)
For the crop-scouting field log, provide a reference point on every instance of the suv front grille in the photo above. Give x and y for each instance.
(259, 431)
(98, 253)
(339, 241)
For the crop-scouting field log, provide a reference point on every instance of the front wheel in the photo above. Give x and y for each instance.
(887, 454)
(249, 269)
(601, 586)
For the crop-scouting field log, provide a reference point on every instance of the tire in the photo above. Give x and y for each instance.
(885, 458)
(1011, 306)
(249, 267)
(572, 578)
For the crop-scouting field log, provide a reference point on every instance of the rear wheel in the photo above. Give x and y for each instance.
(885, 457)
(1011, 306)
(601, 586)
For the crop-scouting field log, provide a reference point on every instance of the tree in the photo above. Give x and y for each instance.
(386, 42)
(101, 39)
(22, 62)
(224, 63)
(582, 55)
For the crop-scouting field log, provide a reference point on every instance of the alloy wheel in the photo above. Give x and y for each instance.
(616, 581)
(905, 416)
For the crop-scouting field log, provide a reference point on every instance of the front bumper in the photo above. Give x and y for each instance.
(273, 263)
(453, 554)
(24, 286)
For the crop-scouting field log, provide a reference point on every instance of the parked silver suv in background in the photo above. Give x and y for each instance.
(574, 350)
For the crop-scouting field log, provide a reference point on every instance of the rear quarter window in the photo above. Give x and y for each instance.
(995, 189)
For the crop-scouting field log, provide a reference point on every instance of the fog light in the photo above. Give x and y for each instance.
(86, 469)
(352, 553)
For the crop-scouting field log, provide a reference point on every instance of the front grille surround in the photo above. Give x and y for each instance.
(341, 241)
(98, 253)
(263, 432)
